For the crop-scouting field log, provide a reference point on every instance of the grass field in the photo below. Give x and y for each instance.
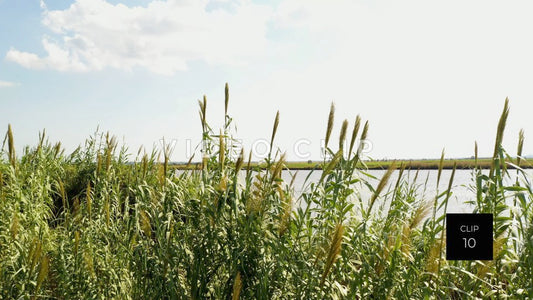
(88, 225)
(413, 164)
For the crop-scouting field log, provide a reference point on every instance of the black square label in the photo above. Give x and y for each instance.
(469, 236)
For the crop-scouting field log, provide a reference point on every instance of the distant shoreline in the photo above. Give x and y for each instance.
(414, 164)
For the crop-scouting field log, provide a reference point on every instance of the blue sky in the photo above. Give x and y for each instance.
(427, 75)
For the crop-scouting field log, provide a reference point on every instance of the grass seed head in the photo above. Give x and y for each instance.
(274, 130)
(520, 146)
(226, 99)
(342, 135)
(14, 229)
(43, 271)
(381, 185)
(11, 146)
(145, 223)
(355, 131)
(334, 251)
(363, 138)
(331, 119)
(239, 162)
(237, 286)
(76, 242)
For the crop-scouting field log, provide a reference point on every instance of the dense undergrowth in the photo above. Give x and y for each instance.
(90, 225)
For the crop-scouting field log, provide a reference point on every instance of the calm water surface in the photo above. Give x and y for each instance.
(426, 181)
(462, 186)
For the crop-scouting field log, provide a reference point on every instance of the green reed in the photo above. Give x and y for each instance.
(90, 225)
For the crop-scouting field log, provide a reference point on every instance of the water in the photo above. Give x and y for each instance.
(462, 186)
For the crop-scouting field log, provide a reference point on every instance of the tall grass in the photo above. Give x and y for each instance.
(89, 225)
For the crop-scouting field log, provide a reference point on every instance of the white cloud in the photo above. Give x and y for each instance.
(5, 84)
(162, 37)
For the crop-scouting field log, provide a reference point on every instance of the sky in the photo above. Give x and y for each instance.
(427, 75)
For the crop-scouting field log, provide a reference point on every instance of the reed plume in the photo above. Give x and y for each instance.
(43, 272)
(274, 130)
(355, 131)
(237, 286)
(381, 185)
(11, 146)
(363, 138)
(76, 242)
(331, 165)
(226, 99)
(278, 167)
(421, 211)
(145, 223)
(334, 251)
(202, 112)
(14, 229)
(342, 135)
(434, 258)
(89, 263)
(239, 162)
(41, 140)
(35, 253)
(499, 137)
(331, 118)
(520, 147)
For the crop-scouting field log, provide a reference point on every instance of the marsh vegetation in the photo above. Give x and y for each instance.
(88, 225)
